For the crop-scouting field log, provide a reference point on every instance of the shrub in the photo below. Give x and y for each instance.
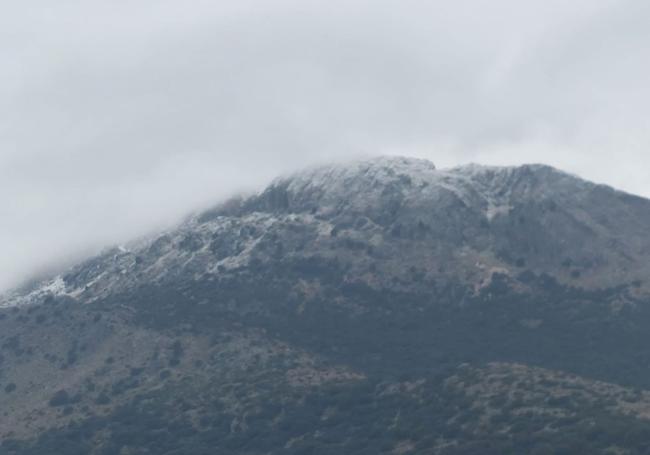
(60, 398)
(102, 399)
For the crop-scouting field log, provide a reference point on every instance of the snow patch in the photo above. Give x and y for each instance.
(55, 287)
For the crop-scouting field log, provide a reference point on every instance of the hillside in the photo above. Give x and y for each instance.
(379, 306)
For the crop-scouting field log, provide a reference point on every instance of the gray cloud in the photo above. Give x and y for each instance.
(119, 117)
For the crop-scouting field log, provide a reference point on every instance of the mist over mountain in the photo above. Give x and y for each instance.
(367, 307)
(121, 117)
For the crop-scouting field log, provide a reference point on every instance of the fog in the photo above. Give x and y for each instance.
(118, 118)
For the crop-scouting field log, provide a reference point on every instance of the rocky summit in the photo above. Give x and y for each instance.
(375, 307)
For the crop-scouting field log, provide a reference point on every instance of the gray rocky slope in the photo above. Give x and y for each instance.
(366, 307)
(395, 214)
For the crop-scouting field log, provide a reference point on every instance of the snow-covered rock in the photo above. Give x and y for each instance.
(391, 215)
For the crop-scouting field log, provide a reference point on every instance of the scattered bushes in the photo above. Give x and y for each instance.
(60, 398)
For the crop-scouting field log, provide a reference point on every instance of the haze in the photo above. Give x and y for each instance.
(117, 118)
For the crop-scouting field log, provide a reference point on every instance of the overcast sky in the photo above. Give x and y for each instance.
(117, 117)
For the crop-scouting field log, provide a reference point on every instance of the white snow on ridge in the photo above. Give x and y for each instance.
(360, 185)
(350, 175)
(54, 287)
(488, 188)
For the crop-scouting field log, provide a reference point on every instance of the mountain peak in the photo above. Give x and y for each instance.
(532, 213)
(360, 175)
(369, 186)
(463, 216)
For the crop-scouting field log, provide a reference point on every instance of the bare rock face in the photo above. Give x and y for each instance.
(351, 308)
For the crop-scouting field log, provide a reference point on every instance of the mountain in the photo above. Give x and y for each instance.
(379, 306)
